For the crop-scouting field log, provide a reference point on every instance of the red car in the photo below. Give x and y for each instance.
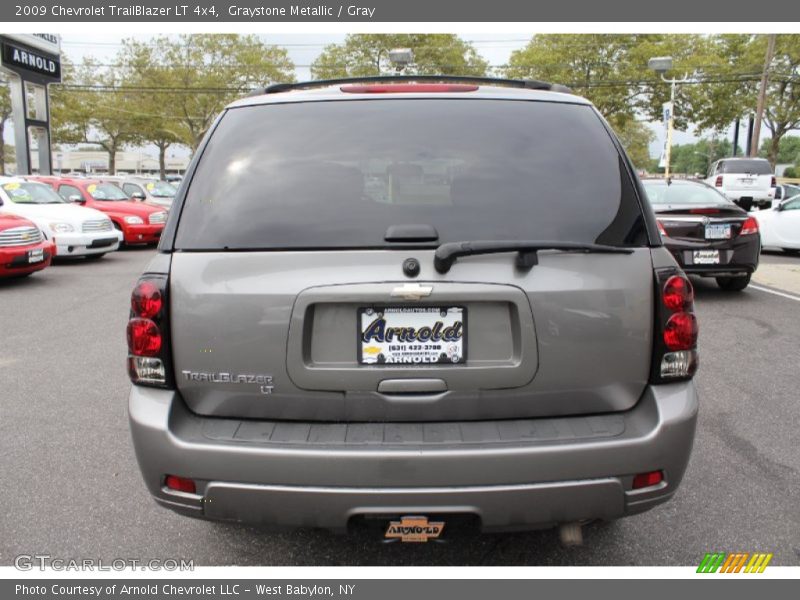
(139, 223)
(23, 248)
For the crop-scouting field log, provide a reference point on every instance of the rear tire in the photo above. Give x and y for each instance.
(733, 284)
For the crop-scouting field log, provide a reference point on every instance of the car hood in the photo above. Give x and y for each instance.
(66, 213)
(9, 221)
(124, 207)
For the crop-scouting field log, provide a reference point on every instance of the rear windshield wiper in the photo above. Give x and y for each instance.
(446, 254)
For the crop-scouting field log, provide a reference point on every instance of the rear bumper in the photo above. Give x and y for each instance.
(738, 257)
(538, 473)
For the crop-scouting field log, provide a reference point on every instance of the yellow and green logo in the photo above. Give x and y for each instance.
(736, 562)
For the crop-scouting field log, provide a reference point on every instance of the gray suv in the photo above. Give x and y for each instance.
(412, 300)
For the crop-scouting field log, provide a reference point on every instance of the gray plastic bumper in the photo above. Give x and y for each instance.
(526, 473)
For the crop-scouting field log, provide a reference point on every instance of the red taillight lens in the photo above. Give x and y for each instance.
(661, 229)
(718, 181)
(408, 88)
(180, 484)
(680, 332)
(643, 480)
(749, 227)
(774, 182)
(678, 293)
(704, 211)
(146, 300)
(144, 337)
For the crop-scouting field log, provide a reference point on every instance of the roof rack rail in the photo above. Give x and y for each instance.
(528, 84)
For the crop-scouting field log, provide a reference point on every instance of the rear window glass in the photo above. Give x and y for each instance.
(753, 167)
(339, 174)
(683, 193)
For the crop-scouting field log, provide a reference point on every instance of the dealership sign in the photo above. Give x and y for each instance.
(29, 59)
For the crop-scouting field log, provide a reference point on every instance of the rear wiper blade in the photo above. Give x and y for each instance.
(446, 254)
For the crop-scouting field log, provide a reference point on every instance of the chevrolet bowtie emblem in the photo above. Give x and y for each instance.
(412, 291)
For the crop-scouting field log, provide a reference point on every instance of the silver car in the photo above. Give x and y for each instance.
(412, 301)
(153, 191)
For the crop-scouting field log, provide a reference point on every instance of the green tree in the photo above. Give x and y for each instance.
(195, 75)
(364, 55)
(95, 106)
(636, 137)
(782, 111)
(788, 150)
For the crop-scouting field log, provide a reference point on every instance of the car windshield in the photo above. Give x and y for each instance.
(31, 193)
(161, 189)
(106, 191)
(659, 193)
(341, 174)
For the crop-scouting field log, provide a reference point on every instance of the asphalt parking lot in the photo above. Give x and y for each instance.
(71, 487)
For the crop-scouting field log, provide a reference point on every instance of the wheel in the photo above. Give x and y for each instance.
(95, 256)
(733, 284)
(791, 251)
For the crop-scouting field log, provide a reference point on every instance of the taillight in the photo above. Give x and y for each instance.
(718, 181)
(675, 341)
(677, 293)
(148, 334)
(643, 480)
(680, 332)
(408, 88)
(749, 227)
(146, 300)
(774, 182)
(144, 337)
(661, 229)
(180, 484)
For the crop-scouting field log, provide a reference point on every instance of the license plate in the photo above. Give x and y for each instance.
(35, 256)
(747, 181)
(411, 335)
(705, 257)
(718, 231)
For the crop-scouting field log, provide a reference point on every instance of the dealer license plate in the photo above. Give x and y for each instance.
(412, 335)
(35, 256)
(718, 231)
(705, 257)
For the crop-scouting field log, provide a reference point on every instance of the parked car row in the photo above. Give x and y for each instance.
(47, 217)
(710, 235)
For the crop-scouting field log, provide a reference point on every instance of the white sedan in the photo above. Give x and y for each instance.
(75, 230)
(780, 225)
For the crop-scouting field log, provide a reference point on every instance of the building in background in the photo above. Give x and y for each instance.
(96, 162)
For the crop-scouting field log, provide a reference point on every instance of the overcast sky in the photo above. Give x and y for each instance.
(303, 49)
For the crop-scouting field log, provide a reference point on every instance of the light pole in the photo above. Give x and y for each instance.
(401, 58)
(662, 64)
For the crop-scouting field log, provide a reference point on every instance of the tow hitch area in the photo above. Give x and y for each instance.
(414, 529)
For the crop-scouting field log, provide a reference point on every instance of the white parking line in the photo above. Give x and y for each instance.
(776, 292)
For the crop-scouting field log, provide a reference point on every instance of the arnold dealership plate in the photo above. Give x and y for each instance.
(412, 335)
(705, 257)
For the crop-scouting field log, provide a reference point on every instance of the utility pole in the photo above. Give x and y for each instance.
(762, 95)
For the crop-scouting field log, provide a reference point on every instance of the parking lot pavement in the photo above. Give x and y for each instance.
(779, 271)
(71, 487)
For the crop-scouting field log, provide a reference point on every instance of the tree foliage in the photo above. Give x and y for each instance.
(363, 55)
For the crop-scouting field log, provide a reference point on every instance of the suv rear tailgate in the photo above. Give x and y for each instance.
(252, 339)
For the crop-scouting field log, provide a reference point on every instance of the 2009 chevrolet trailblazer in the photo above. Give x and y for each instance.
(412, 297)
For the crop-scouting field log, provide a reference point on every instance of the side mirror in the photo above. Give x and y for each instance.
(779, 206)
(77, 198)
(138, 196)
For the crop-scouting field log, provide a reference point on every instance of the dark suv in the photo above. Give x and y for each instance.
(412, 300)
